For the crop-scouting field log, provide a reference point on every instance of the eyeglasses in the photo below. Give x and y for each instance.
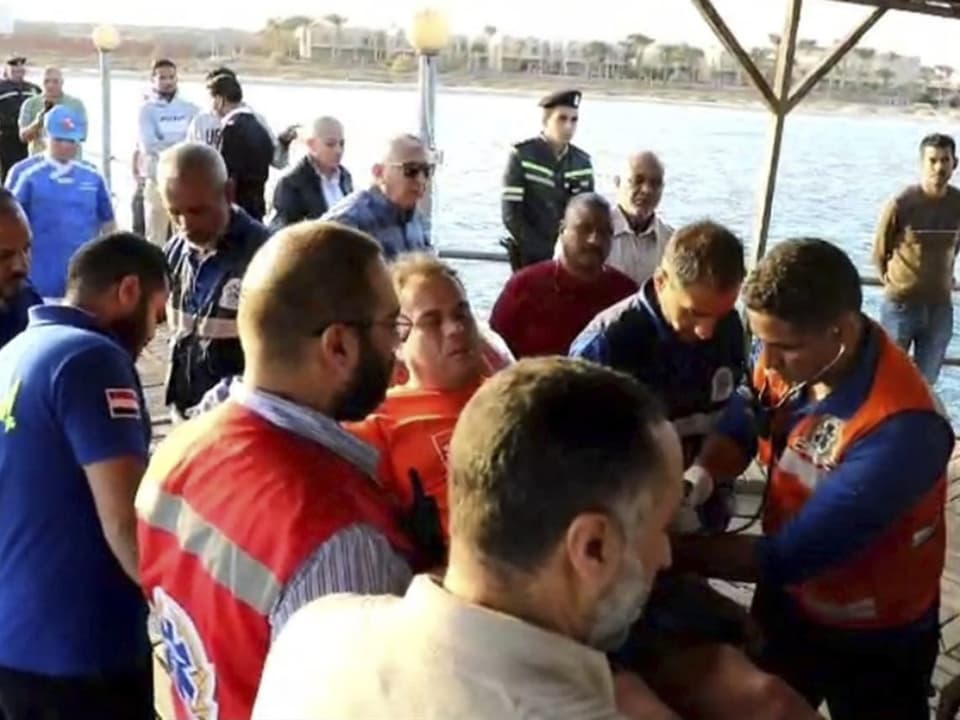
(412, 169)
(400, 325)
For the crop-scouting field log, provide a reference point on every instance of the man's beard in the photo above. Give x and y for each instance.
(620, 609)
(368, 386)
(131, 330)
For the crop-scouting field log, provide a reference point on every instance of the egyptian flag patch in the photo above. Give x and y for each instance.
(123, 403)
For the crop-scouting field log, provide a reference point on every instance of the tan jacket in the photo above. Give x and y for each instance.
(916, 245)
(427, 656)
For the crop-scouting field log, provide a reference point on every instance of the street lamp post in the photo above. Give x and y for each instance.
(106, 39)
(430, 34)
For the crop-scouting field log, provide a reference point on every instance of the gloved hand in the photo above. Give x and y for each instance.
(697, 488)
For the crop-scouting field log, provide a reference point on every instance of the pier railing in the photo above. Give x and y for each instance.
(493, 256)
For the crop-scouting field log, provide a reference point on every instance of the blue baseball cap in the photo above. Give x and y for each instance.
(63, 123)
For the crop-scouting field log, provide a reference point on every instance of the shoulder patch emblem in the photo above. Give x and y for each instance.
(721, 388)
(230, 295)
(123, 403)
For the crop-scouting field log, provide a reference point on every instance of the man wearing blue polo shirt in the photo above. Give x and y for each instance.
(66, 200)
(16, 293)
(74, 436)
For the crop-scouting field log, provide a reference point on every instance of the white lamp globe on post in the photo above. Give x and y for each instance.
(429, 34)
(106, 39)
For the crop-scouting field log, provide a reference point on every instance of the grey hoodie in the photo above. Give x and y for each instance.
(163, 124)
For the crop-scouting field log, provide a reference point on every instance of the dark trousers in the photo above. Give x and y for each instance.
(121, 696)
(861, 675)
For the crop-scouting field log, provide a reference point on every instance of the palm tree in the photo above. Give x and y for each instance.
(596, 53)
(634, 46)
(338, 21)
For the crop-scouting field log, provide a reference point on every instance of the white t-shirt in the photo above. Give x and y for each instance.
(428, 655)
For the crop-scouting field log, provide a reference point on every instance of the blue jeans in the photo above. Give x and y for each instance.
(928, 327)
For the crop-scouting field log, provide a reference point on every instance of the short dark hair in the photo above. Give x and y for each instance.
(220, 70)
(163, 63)
(227, 87)
(318, 274)
(100, 264)
(592, 200)
(541, 442)
(705, 253)
(807, 282)
(9, 205)
(940, 141)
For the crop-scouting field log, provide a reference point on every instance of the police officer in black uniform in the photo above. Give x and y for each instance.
(543, 173)
(14, 91)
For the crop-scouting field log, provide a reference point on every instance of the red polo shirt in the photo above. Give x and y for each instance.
(543, 307)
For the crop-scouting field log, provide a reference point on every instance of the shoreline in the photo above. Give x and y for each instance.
(522, 85)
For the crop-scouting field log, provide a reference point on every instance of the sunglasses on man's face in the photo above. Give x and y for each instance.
(412, 169)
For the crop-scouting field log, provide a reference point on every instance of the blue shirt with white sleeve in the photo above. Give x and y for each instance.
(69, 397)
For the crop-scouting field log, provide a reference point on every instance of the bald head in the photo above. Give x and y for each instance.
(405, 148)
(586, 235)
(193, 180)
(191, 159)
(640, 188)
(586, 203)
(326, 144)
(305, 277)
(404, 172)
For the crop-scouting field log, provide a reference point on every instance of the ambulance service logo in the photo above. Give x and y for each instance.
(192, 673)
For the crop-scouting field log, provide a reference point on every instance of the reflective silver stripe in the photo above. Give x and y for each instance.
(527, 165)
(924, 534)
(865, 609)
(184, 324)
(697, 424)
(578, 173)
(244, 576)
(537, 179)
(793, 463)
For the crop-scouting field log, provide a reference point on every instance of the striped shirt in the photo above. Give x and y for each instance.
(357, 559)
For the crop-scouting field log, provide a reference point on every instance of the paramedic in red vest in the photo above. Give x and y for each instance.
(848, 566)
(543, 308)
(264, 504)
(413, 427)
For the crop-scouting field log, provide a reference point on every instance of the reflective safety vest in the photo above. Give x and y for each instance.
(537, 185)
(896, 579)
(230, 508)
(412, 429)
(202, 310)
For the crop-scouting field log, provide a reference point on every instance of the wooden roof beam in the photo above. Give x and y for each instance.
(730, 42)
(830, 61)
(941, 8)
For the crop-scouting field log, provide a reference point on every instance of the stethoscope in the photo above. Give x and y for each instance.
(762, 413)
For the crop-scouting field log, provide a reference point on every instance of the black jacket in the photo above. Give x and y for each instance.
(247, 151)
(202, 310)
(299, 195)
(12, 96)
(536, 188)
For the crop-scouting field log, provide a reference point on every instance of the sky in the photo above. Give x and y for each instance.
(935, 40)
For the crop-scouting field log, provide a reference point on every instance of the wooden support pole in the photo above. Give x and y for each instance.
(942, 9)
(782, 81)
(829, 62)
(730, 42)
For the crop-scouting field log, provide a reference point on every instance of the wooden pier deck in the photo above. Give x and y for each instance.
(152, 367)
